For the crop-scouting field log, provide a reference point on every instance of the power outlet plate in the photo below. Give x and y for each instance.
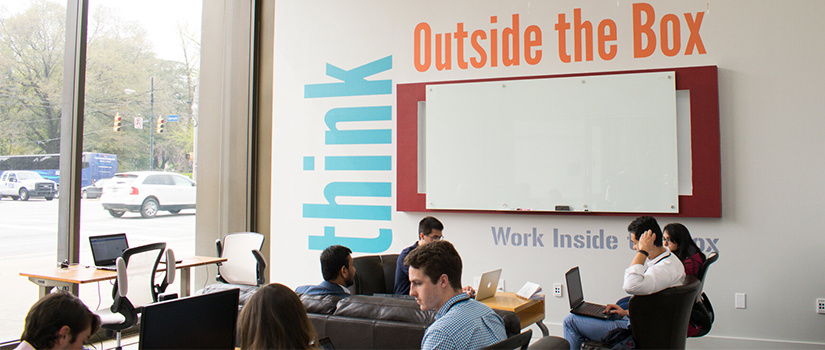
(820, 306)
(740, 301)
(557, 290)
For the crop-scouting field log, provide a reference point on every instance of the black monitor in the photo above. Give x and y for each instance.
(198, 322)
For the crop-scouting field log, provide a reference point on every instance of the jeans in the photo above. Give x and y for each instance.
(577, 328)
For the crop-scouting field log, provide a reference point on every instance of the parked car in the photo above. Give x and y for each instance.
(94, 190)
(24, 184)
(148, 192)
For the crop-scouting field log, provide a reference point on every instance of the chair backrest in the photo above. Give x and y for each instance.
(518, 341)
(660, 320)
(375, 274)
(141, 267)
(703, 272)
(241, 266)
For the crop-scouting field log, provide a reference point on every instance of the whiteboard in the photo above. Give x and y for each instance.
(597, 143)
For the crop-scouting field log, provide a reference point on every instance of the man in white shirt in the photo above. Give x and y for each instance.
(653, 269)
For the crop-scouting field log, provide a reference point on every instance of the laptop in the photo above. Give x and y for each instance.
(487, 286)
(107, 248)
(577, 304)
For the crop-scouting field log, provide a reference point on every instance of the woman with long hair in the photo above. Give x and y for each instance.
(678, 240)
(275, 318)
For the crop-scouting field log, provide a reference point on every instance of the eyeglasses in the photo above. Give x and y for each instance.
(435, 238)
(668, 239)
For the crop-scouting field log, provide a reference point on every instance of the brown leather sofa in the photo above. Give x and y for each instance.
(376, 322)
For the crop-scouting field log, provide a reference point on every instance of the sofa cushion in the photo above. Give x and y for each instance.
(383, 308)
(319, 304)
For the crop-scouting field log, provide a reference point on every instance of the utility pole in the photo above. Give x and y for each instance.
(151, 124)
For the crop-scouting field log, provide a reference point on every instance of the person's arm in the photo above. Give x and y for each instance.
(616, 310)
(638, 278)
(693, 264)
(436, 339)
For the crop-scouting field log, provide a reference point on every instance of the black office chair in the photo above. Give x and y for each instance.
(660, 320)
(376, 274)
(135, 286)
(550, 343)
(518, 341)
(702, 315)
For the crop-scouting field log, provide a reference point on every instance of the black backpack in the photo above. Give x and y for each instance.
(702, 315)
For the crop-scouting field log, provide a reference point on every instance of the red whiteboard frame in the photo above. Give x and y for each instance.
(706, 200)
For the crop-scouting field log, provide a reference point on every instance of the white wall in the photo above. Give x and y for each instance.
(769, 56)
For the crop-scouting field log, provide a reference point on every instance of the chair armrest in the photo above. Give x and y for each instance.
(261, 265)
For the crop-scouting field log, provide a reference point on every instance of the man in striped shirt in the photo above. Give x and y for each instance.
(460, 322)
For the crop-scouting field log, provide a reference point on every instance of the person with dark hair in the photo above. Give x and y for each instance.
(429, 230)
(677, 238)
(680, 243)
(58, 321)
(460, 322)
(338, 272)
(275, 318)
(654, 268)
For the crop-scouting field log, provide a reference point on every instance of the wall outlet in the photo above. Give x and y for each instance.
(557, 290)
(820, 306)
(740, 301)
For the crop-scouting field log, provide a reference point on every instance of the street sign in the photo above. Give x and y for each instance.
(138, 123)
(172, 118)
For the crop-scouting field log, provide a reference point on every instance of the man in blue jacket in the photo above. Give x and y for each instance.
(429, 230)
(338, 271)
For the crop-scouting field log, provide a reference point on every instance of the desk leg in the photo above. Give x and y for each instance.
(185, 276)
(544, 331)
(44, 286)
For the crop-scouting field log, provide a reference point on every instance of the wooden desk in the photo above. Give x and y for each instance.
(528, 311)
(80, 274)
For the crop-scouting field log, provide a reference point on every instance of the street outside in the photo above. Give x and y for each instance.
(28, 231)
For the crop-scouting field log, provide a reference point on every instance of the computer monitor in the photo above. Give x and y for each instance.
(204, 321)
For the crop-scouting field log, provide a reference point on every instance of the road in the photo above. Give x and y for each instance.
(28, 232)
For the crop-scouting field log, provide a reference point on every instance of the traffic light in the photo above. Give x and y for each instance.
(118, 123)
(161, 124)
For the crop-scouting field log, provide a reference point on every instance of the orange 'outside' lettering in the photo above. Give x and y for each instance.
(510, 38)
(532, 37)
(460, 35)
(482, 55)
(640, 29)
(443, 53)
(422, 29)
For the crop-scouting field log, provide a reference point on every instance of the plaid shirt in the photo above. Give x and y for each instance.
(463, 323)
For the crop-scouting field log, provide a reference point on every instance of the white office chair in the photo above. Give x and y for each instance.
(135, 286)
(245, 264)
(244, 267)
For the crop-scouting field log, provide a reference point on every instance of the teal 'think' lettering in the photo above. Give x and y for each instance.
(354, 82)
(358, 163)
(352, 212)
(357, 137)
(357, 245)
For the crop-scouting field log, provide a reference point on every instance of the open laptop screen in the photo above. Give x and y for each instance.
(107, 248)
(574, 287)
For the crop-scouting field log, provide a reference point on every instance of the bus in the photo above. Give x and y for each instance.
(96, 166)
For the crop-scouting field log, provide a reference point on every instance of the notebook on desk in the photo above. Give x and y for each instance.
(576, 297)
(487, 286)
(107, 248)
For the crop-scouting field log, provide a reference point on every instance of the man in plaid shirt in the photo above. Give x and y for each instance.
(460, 322)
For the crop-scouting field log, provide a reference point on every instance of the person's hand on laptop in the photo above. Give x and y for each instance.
(615, 310)
(470, 291)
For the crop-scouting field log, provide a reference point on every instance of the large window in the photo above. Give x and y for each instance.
(140, 115)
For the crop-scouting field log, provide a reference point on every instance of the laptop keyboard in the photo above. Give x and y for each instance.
(591, 309)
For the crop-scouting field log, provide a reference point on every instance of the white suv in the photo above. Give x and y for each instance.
(148, 192)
